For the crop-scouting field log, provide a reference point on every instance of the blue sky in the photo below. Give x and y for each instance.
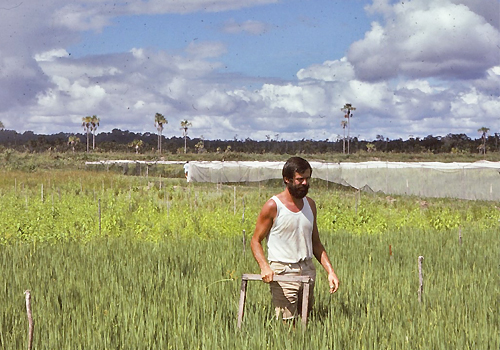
(295, 34)
(252, 68)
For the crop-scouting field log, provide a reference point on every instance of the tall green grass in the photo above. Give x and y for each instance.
(164, 271)
(122, 293)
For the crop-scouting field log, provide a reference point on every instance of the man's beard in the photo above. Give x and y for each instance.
(297, 191)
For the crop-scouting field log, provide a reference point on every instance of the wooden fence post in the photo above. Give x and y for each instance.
(243, 295)
(242, 223)
(420, 279)
(27, 294)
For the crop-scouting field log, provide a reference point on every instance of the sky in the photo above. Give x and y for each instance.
(259, 69)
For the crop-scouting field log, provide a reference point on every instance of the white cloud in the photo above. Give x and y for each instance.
(96, 14)
(81, 17)
(481, 108)
(488, 9)
(250, 27)
(214, 99)
(51, 55)
(419, 84)
(139, 104)
(426, 39)
(380, 6)
(328, 71)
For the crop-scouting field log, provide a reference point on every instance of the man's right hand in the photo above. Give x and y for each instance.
(267, 274)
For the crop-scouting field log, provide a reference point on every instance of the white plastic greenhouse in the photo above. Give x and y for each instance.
(478, 180)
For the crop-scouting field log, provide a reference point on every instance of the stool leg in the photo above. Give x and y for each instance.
(243, 295)
(305, 302)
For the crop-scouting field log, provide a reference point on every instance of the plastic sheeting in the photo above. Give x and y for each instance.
(476, 181)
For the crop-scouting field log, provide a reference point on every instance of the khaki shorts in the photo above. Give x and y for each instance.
(287, 296)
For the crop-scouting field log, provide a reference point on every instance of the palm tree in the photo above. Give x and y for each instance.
(184, 126)
(347, 110)
(2, 126)
(159, 121)
(484, 132)
(343, 123)
(73, 141)
(87, 123)
(94, 123)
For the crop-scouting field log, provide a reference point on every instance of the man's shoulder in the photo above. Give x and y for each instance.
(271, 202)
(270, 208)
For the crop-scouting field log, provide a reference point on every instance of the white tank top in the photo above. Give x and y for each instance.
(290, 237)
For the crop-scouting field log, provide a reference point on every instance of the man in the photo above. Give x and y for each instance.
(186, 169)
(288, 221)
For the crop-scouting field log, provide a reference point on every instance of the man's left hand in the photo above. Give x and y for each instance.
(333, 281)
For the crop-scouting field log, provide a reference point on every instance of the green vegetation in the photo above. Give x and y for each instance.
(159, 265)
(64, 205)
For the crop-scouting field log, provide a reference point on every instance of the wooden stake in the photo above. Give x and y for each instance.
(420, 279)
(27, 294)
(241, 306)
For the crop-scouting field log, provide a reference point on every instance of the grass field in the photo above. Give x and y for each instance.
(32, 162)
(120, 262)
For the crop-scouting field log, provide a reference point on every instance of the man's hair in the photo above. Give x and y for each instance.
(293, 165)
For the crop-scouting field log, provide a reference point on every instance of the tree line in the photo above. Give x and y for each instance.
(126, 141)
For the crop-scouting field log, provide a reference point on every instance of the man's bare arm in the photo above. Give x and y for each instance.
(320, 253)
(262, 228)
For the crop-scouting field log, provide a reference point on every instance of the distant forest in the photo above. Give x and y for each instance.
(126, 141)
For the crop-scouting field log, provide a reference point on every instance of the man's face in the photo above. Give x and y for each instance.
(299, 185)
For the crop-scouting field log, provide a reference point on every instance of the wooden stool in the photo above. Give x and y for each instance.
(305, 280)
